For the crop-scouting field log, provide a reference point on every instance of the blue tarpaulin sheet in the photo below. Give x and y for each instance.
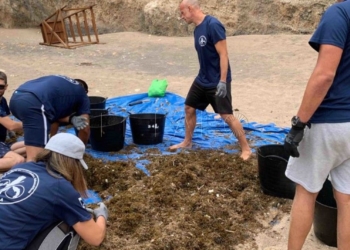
(211, 132)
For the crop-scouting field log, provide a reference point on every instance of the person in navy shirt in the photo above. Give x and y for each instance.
(10, 155)
(319, 139)
(34, 195)
(213, 82)
(41, 102)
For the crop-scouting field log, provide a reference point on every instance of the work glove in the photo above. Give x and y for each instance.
(11, 134)
(79, 122)
(221, 89)
(100, 211)
(294, 137)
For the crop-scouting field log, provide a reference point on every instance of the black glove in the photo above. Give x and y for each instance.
(294, 137)
(79, 122)
(221, 89)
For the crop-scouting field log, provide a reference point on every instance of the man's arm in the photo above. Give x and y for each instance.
(84, 133)
(10, 124)
(221, 48)
(320, 80)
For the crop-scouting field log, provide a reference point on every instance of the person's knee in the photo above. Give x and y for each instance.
(189, 110)
(16, 158)
(341, 198)
(10, 159)
(17, 145)
(228, 118)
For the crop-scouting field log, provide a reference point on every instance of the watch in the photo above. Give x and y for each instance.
(297, 123)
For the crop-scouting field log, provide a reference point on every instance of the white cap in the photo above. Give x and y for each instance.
(68, 145)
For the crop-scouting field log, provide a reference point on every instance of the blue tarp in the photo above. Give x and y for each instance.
(210, 133)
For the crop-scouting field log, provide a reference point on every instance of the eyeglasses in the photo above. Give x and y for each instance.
(2, 86)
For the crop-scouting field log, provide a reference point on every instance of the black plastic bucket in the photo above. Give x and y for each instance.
(107, 132)
(93, 113)
(272, 164)
(97, 102)
(98, 112)
(325, 216)
(147, 128)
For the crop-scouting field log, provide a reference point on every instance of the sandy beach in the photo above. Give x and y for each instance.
(269, 75)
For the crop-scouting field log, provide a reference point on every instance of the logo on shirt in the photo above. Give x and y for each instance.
(202, 41)
(19, 189)
(68, 79)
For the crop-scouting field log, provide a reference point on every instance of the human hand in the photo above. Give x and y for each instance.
(11, 134)
(79, 122)
(221, 89)
(101, 211)
(291, 142)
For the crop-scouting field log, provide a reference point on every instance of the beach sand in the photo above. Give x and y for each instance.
(269, 74)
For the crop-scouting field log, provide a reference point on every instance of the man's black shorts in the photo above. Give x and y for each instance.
(199, 98)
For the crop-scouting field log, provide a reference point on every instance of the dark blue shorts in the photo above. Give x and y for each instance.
(199, 98)
(4, 149)
(31, 112)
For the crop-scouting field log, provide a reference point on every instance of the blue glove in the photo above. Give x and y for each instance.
(221, 89)
(79, 122)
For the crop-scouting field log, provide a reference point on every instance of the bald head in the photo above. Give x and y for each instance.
(193, 3)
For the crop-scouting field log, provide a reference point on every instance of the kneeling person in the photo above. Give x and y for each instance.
(36, 195)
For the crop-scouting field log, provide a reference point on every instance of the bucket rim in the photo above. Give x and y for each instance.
(327, 206)
(103, 99)
(136, 114)
(270, 145)
(100, 117)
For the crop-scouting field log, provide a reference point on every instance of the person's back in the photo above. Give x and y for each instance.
(47, 101)
(206, 35)
(31, 200)
(60, 95)
(336, 105)
(35, 196)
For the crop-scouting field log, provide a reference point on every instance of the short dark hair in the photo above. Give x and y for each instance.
(3, 76)
(83, 84)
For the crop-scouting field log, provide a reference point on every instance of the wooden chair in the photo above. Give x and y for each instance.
(70, 28)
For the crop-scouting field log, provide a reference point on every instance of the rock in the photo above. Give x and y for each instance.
(161, 17)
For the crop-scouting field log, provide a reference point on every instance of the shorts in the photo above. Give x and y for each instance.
(324, 151)
(199, 98)
(31, 112)
(4, 149)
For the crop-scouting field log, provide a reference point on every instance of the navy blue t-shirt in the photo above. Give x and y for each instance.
(31, 199)
(206, 35)
(60, 95)
(334, 29)
(4, 111)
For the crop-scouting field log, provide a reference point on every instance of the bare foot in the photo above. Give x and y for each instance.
(181, 145)
(246, 154)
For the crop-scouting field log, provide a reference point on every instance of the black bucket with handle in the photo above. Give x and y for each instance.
(93, 113)
(107, 132)
(98, 112)
(325, 216)
(147, 128)
(97, 102)
(272, 164)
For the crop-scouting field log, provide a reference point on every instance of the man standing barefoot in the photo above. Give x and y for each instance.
(213, 82)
